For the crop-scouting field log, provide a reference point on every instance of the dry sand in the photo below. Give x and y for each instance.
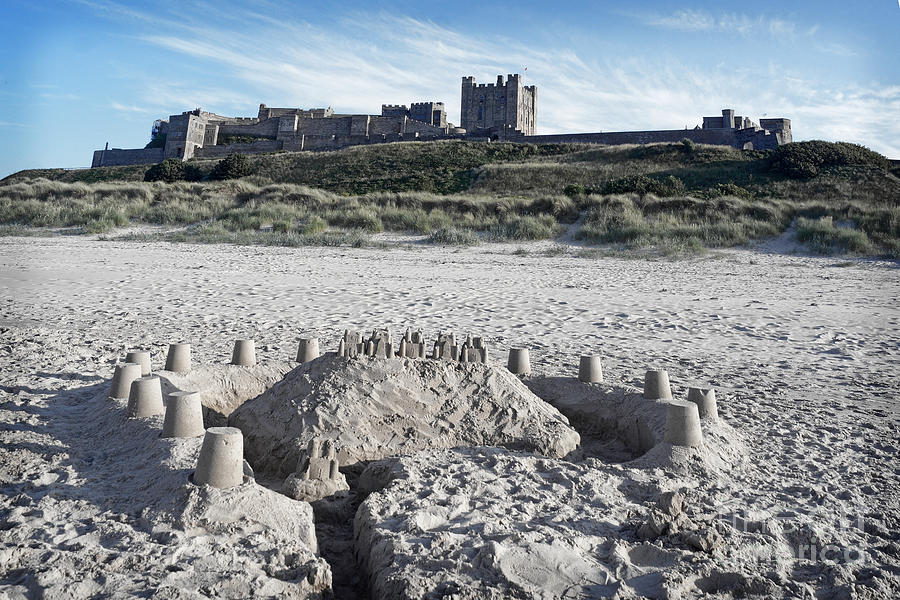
(803, 353)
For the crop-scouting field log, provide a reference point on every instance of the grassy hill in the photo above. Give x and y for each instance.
(840, 197)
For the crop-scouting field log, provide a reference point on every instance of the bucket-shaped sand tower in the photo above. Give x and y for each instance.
(244, 353)
(184, 415)
(141, 357)
(683, 424)
(178, 360)
(221, 460)
(145, 398)
(308, 350)
(589, 369)
(705, 399)
(519, 362)
(656, 385)
(125, 374)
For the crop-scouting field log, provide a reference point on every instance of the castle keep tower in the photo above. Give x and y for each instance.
(500, 109)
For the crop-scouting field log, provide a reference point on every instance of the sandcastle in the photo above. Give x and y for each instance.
(412, 345)
(381, 345)
(317, 474)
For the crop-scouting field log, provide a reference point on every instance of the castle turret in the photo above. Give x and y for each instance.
(498, 110)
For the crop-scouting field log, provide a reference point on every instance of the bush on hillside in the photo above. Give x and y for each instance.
(641, 184)
(807, 159)
(169, 170)
(232, 166)
(728, 189)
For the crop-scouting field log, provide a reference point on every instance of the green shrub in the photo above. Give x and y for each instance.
(806, 159)
(574, 189)
(169, 170)
(453, 236)
(642, 184)
(727, 189)
(232, 166)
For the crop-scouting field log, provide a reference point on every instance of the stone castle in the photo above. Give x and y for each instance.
(504, 111)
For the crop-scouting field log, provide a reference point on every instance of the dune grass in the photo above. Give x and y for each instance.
(684, 197)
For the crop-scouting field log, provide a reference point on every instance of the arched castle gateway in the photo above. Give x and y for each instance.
(503, 111)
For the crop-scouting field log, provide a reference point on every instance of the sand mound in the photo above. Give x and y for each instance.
(374, 408)
(223, 388)
(114, 514)
(489, 523)
(617, 424)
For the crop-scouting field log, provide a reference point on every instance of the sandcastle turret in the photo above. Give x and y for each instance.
(590, 370)
(244, 353)
(472, 350)
(317, 475)
(683, 425)
(184, 415)
(178, 359)
(656, 385)
(141, 357)
(445, 347)
(351, 344)
(123, 377)
(380, 344)
(145, 398)
(412, 345)
(705, 399)
(519, 362)
(221, 460)
(308, 349)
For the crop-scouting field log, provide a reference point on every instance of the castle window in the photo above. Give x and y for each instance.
(480, 113)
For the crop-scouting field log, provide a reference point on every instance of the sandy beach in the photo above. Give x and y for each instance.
(802, 352)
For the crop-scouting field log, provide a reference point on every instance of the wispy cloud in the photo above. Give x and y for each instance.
(691, 20)
(130, 108)
(382, 58)
(836, 49)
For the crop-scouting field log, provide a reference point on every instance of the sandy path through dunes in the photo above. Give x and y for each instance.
(804, 351)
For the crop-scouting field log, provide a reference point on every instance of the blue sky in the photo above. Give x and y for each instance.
(78, 74)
